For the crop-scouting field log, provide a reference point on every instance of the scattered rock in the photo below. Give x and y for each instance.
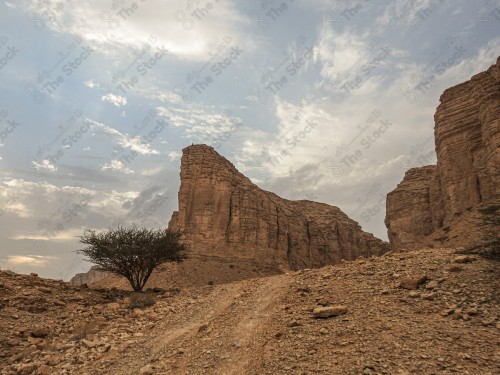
(146, 370)
(433, 284)
(464, 259)
(447, 312)
(329, 311)
(413, 282)
(88, 344)
(58, 302)
(40, 332)
(455, 268)
(429, 296)
(472, 311)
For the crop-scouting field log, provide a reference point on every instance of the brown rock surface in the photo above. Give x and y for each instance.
(222, 213)
(432, 199)
(93, 275)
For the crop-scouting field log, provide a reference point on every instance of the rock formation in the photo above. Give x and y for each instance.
(222, 213)
(432, 199)
(94, 274)
(237, 231)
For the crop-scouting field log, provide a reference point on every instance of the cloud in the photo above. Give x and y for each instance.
(200, 123)
(116, 166)
(30, 260)
(407, 12)
(133, 143)
(152, 172)
(114, 28)
(116, 100)
(42, 166)
(90, 83)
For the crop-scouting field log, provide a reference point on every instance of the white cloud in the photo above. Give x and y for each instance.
(115, 30)
(201, 123)
(403, 11)
(30, 260)
(116, 166)
(339, 53)
(136, 143)
(43, 166)
(116, 100)
(152, 171)
(90, 83)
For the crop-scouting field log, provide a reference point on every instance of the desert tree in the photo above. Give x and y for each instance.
(133, 252)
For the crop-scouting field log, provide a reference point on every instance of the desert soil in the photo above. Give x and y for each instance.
(432, 311)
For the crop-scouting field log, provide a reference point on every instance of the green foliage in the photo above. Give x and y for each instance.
(133, 252)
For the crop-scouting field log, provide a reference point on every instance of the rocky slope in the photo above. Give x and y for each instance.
(467, 175)
(222, 213)
(418, 312)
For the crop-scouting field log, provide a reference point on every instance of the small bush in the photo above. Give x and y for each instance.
(141, 300)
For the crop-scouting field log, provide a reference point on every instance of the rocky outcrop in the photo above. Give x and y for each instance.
(223, 214)
(432, 199)
(93, 275)
(409, 215)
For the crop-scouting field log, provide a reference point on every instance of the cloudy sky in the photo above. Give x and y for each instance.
(312, 99)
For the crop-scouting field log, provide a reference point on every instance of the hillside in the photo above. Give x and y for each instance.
(449, 324)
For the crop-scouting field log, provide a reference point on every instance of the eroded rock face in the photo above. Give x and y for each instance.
(93, 275)
(467, 176)
(222, 213)
(409, 215)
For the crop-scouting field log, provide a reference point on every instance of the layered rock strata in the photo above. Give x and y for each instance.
(432, 199)
(222, 213)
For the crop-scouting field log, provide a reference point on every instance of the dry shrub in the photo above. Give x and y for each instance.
(141, 300)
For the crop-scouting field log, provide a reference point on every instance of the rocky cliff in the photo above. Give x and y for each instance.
(238, 231)
(89, 277)
(432, 199)
(222, 213)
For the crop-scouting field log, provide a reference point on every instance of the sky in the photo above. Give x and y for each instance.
(331, 101)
